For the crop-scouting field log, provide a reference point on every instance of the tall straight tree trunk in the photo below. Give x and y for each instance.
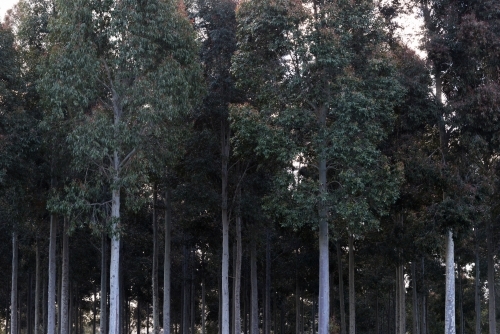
(185, 291)
(65, 280)
(44, 304)
(203, 306)
(225, 135)
(477, 289)
(401, 300)
(491, 283)
(38, 278)
(450, 327)
(352, 291)
(297, 304)
(13, 292)
(416, 316)
(104, 285)
(51, 294)
(324, 263)
(267, 308)
(166, 265)
(114, 268)
(237, 274)
(423, 325)
(138, 321)
(192, 292)
(461, 300)
(94, 310)
(341, 289)
(254, 312)
(154, 274)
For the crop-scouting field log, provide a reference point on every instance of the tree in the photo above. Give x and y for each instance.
(118, 72)
(328, 88)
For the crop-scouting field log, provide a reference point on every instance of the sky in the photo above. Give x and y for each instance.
(4, 6)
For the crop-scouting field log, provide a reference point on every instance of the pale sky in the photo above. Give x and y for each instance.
(4, 6)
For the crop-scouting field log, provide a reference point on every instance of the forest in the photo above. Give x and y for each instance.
(249, 167)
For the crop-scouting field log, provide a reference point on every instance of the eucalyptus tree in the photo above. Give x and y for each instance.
(117, 71)
(321, 83)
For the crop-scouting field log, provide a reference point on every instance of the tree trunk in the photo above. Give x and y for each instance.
(192, 292)
(477, 285)
(423, 325)
(491, 283)
(254, 312)
(156, 312)
(450, 327)
(51, 303)
(38, 279)
(341, 290)
(44, 304)
(185, 291)
(225, 135)
(416, 316)
(401, 300)
(324, 270)
(237, 276)
(203, 306)
(352, 291)
(167, 260)
(461, 300)
(104, 285)
(114, 268)
(297, 304)
(65, 280)
(267, 312)
(13, 292)
(94, 310)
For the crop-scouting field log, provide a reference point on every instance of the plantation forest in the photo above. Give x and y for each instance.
(249, 167)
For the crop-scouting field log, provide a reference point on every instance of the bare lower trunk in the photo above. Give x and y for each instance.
(237, 278)
(51, 294)
(449, 322)
(104, 285)
(154, 274)
(477, 285)
(38, 280)
(166, 266)
(254, 312)
(341, 290)
(352, 292)
(203, 306)
(65, 280)
(13, 291)
(491, 284)
(416, 316)
(401, 300)
(225, 135)
(324, 266)
(114, 268)
(267, 308)
(423, 325)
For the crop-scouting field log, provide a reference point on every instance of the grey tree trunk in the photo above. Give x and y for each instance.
(352, 291)
(401, 302)
(44, 304)
(449, 322)
(94, 310)
(114, 268)
(423, 325)
(237, 278)
(267, 308)
(225, 135)
(166, 266)
(297, 305)
(416, 316)
(38, 279)
(477, 286)
(51, 294)
(343, 327)
(491, 283)
(13, 292)
(254, 305)
(203, 306)
(324, 269)
(65, 280)
(156, 311)
(104, 285)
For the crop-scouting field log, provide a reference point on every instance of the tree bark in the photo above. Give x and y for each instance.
(267, 308)
(491, 283)
(114, 269)
(38, 278)
(167, 260)
(51, 302)
(343, 326)
(352, 292)
(402, 300)
(94, 310)
(65, 280)
(13, 292)
(297, 303)
(254, 312)
(237, 276)
(450, 326)
(154, 274)
(203, 306)
(477, 289)
(225, 135)
(185, 291)
(416, 316)
(104, 285)
(324, 263)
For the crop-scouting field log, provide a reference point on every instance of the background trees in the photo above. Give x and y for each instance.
(318, 133)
